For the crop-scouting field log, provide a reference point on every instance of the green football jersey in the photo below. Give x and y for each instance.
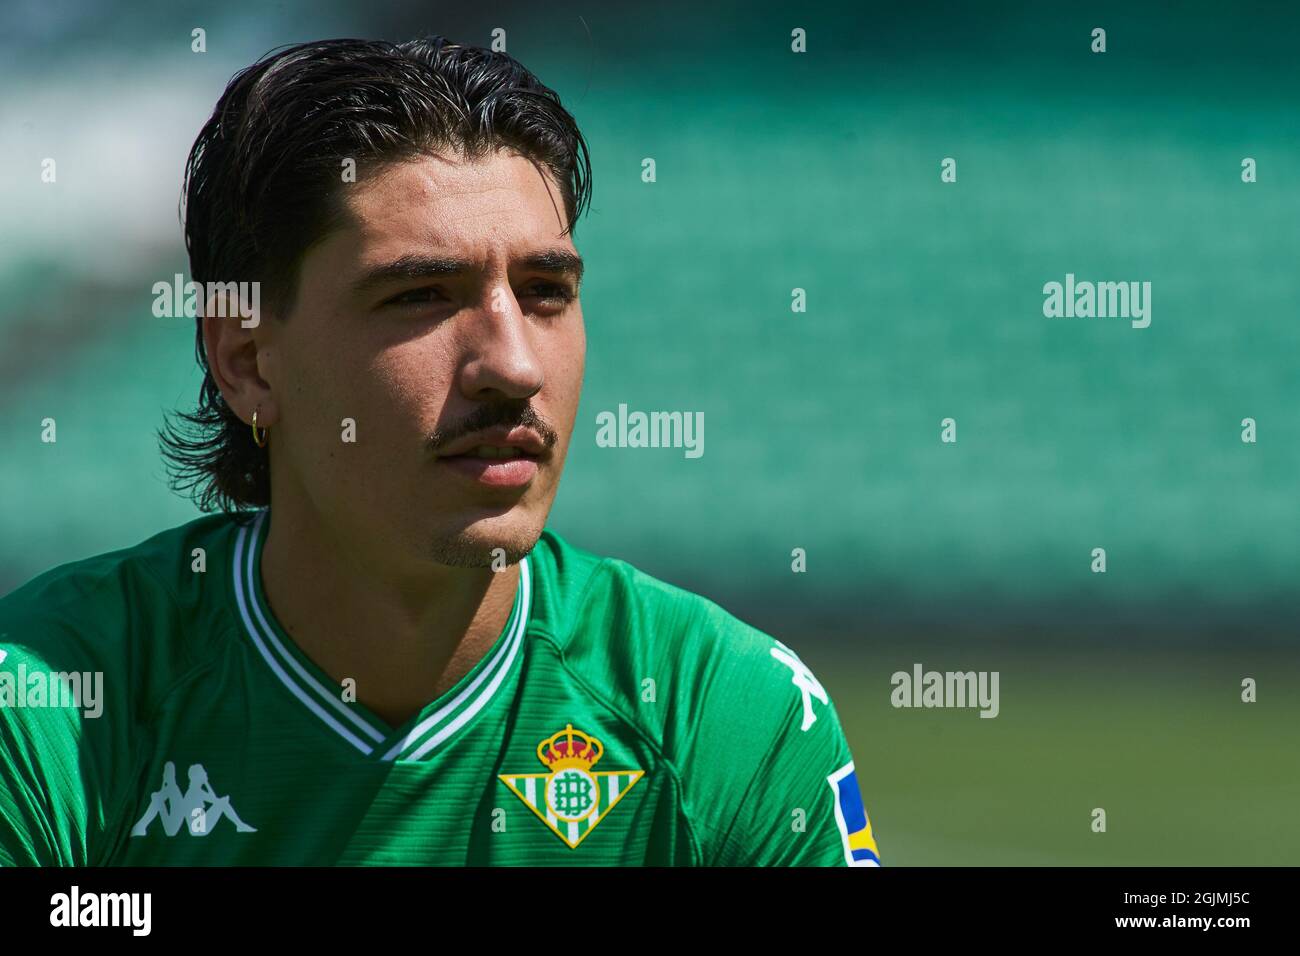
(153, 712)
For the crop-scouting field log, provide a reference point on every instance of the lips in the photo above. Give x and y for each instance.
(497, 444)
(499, 458)
(494, 472)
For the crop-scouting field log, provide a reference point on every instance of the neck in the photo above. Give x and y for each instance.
(405, 635)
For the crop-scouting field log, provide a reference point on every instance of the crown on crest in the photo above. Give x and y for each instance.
(570, 748)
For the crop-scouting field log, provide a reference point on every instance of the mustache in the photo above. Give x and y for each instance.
(504, 414)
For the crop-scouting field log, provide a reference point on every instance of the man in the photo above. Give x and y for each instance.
(375, 653)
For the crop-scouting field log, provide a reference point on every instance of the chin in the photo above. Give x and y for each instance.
(485, 542)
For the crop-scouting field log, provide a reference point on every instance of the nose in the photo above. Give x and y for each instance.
(500, 359)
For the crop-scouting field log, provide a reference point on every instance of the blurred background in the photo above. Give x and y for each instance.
(819, 171)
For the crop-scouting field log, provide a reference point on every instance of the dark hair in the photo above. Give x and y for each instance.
(263, 180)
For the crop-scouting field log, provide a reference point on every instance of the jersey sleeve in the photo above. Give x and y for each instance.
(66, 722)
(800, 804)
(43, 808)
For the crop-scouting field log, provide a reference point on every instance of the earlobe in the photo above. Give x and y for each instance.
(233, 362)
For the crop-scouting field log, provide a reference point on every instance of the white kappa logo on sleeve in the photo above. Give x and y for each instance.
(802, 678)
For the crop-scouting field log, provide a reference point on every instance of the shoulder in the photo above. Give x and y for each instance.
(87, 652)
(98, 613)
(748, 731)
(602, 605)
(643, 640)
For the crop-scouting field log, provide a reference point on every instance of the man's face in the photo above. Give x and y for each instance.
(443, 320)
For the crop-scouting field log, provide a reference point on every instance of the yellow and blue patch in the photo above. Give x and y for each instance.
(851, 817)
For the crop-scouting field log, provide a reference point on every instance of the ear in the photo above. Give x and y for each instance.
(238, 343)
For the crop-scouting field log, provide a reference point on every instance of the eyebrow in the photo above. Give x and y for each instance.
(555, 261)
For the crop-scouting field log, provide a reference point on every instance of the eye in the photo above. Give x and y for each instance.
(552, 292)
(421, 296)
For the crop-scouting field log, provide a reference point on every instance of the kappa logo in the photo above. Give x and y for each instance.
(199, 806)
(803, 679)
(571, 798)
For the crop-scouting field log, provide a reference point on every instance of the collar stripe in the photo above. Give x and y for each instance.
(274, 664)
(496, 670)
(329, 706)
(324, 695)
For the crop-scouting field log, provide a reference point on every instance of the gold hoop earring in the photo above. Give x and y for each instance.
(259, 441)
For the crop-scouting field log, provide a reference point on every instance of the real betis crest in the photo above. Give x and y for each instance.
(571, 798)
